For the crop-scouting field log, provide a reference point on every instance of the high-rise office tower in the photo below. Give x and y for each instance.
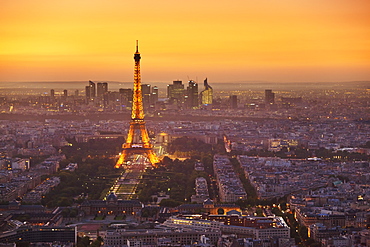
(269, 97)
(145, 90)
(105, 98)
(175, 92)
(65, 93)
(154, 95)
(52, 93)
(233, 101)
(76, 93)
(101, 89)
(206, 94)
(90, 91)
(192, 100)
(126, 96)
(87, 93)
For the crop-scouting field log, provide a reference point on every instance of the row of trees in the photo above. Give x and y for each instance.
(88, 181)
(86, 241)
(93, 148)
(304, 153)
(94, 174)
(177, 178)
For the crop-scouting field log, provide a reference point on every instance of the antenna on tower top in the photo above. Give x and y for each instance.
(137, 45)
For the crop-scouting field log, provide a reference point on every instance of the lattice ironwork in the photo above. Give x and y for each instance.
(137, 141)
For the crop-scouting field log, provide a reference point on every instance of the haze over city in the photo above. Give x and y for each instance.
(234, 41)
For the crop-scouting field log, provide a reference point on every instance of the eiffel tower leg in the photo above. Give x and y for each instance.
(126, 153)
(131, 133)
(144, 136)
(122, 158)
(153, 158)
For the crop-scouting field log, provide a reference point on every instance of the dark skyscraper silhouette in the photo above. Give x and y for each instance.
(126, 96)
(90, 91)
(269, 97)
(102, 88)
(233, 101)
(192, 95)
(145, 90)
(154, 95)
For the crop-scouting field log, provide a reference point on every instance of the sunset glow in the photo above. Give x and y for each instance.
(239, 40)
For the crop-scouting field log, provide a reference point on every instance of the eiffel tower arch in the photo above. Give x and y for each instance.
(137, 141)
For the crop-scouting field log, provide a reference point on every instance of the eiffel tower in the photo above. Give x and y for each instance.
(137, 141)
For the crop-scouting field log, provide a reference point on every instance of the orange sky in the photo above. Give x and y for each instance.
(226, 41)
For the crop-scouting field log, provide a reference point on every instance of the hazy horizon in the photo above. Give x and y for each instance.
(46, 86)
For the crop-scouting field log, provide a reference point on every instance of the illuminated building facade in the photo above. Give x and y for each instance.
(176, 93)
(207, 94)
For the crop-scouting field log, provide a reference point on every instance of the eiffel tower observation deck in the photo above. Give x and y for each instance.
(137, 141)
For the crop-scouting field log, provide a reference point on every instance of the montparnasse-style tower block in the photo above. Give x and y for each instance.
(137, 141)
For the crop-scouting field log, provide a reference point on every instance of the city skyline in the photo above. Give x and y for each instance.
(286, 41)
(254, 163)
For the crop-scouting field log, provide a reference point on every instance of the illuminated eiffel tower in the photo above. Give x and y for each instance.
(137, 141)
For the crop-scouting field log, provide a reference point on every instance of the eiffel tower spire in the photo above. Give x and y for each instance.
(137, 141)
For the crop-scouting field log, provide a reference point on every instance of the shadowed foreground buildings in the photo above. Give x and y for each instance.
(343, 201)
(158, 237)
(28, 234)
(208, 207)
(230, 187)
(195, 231)
(111, 206)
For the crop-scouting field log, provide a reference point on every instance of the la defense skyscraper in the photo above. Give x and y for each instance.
(137, 141)
(206, 96)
